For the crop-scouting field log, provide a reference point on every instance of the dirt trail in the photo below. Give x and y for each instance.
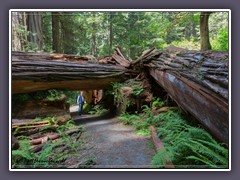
(115, 145)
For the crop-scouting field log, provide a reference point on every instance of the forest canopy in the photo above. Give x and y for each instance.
(97, 33)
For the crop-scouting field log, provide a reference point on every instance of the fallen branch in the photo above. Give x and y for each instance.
(53, 136)
(159, 145)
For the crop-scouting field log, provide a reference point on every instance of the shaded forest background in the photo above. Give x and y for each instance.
(97, 33)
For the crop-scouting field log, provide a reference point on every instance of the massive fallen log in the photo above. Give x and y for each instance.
(197, 81)
(42, 71)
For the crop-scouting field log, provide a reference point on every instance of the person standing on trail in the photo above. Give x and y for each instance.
(80, 102)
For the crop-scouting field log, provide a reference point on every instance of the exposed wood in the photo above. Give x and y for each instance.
(53, 136)
(40, 142)
(15, 125)
(198, 82)
(36, 126)
(159, 145)
(38, 71)
(119, 52)
(41, 139)
(28, 132)
(144, 55)
(37, 148)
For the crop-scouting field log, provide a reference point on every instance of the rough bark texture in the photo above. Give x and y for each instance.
(19, 29)
(55, 32)
(204, 31)
(42, 71)
(197, 81)
(34, 25)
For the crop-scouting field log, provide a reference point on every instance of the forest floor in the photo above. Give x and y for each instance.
(113, 144)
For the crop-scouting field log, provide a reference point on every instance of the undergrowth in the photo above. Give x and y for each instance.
(98, 110)
(51, 155)
(185, 144)
(121, 100)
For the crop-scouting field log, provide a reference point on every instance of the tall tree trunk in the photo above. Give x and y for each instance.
(19, 31)
(34, 25)
(55, 32)
(204, 31)
(94, 50)
(132, 18)
(110, 33)
(67, 33)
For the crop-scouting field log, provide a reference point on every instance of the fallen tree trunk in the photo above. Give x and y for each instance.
(197, 81)
(42, 71)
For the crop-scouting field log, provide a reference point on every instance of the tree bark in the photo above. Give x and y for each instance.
(41, 71)
(204, 31)
(197, 81)
(19, 31)
(110, 32)
(55, 32)
(94, 47)
(34, 25)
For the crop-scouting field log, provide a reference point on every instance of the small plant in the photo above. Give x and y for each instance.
(98, 110)
(157, 103)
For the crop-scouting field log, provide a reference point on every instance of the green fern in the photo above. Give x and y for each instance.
(161, 157)
(192, 146)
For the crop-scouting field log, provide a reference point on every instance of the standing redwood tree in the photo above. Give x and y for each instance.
(94, 29)
(34, 26)
(204, 31)
(19, 31)
(110, 32)
(55, 32)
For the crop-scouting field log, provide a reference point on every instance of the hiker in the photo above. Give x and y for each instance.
(80, 102)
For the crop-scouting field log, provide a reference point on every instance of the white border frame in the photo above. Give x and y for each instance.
(121, 10)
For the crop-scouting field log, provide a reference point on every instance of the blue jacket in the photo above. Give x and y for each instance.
(80, 99)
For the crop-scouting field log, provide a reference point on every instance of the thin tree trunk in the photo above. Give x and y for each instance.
(94, 52)
(110, 33)
(194, 33)
(204, 31)
(55, 32)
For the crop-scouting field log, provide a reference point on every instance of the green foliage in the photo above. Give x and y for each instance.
(221, 41)
(120, 100)
(50, 95)
(69, 124)
(97, 109)
(129, 118)
(142, 126)
(132, 31)
(157, 103)
(186, 44)
(189, 147)
(136, 86)
(161, 157)
(51, 154)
